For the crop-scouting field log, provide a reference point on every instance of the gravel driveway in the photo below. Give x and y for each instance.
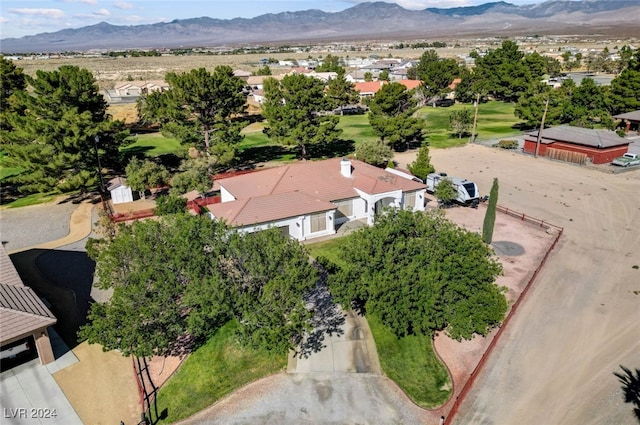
(33, 225)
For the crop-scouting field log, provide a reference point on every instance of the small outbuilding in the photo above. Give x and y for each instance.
(576, 144)
(120, 192)
(24, 318)
(630, 120)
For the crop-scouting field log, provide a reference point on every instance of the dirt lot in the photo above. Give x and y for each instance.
(581, 321)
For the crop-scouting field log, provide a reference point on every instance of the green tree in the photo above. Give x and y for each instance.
(373, 152)
(204, 102)
(330, 63)
(265, 70)
(12, 80)
(293, 107)
(177, 280)
(143, 175)
(490, 214)
(422, 166)
(446, 192)
(368, 76)
(383, 75)
(341, 92)
(195, 174)
(170, 204)
(435, 73)
(460, 121)
(420, 273)
(623, 94)
(391, 116)
(52, 129)
(504, 73)
(590, 105)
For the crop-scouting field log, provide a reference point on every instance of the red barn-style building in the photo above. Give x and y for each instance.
(599, 146)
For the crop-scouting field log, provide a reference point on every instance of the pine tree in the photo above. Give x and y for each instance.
(490, 215)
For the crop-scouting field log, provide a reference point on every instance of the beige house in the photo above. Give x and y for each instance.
(313, 198)
(24, 318)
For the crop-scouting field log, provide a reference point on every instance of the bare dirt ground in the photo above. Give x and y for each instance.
(581, 320)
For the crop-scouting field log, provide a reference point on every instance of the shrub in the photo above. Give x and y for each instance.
(507, 144)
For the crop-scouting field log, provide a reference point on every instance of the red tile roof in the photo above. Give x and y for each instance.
(410, 84)
(368, 86)
(302, 188)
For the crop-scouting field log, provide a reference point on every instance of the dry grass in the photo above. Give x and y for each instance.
(124, 112)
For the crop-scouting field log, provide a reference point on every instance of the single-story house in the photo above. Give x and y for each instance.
(368, 88)
(631, 121)
(24, 318)
(120, 192)
(313, 198)
(562, 142)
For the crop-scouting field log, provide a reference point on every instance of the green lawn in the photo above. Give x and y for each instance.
(411, 363)
(213, 371)
(495, 120)
(33, 199)
(356, 128)
(152, 144)
(8, 166)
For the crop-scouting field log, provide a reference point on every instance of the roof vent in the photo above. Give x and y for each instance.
(345, 167)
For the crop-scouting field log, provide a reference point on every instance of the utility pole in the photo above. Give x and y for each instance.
(95, 146)
(544, 115)
(475, 120)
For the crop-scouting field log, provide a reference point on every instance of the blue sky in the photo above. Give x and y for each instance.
(28, 17)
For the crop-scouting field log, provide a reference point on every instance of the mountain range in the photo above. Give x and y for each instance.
(365, 21)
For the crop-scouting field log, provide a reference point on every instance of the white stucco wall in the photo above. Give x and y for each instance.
(121, 195)
(299, 227)
(225, 195)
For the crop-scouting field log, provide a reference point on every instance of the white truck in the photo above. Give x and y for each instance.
(626, 160)
(468, 193)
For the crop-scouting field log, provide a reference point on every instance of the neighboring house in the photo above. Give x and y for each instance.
(576, 144)
(631, 121)
(368, 88)
(120, 192)
(312, 199)
(243, 75)
(24, 318)
(129, 91)
(257, 96)
(410, 84)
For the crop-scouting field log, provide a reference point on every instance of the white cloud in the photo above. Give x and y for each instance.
(123, 5)
(102, 12)
(51, 13)
(89, 2)
(3, 20)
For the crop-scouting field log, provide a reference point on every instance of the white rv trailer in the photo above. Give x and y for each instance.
(468, 193)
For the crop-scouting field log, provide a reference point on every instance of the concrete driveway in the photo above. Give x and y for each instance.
(29, 395)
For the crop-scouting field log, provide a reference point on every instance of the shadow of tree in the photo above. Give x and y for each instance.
(327, 318)
(256, 154)
(630, 388)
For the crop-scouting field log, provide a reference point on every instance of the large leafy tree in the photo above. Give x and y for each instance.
(373, 152)
(330, 63)
(179, 279)
(53, 131)
(421, 273)
(145, 174)
(293, 107)
(200, 108)
(460, 121)
(391, 116)
(435, 73)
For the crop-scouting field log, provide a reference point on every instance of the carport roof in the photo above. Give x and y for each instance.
(21, 311)
(631, 116)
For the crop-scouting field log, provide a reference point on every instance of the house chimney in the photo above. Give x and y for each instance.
(345, 167)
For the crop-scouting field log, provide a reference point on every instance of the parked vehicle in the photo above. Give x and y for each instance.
(626, 160)
(13, 350)
(468, 193)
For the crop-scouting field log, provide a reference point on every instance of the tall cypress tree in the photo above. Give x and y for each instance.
(490, 215)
